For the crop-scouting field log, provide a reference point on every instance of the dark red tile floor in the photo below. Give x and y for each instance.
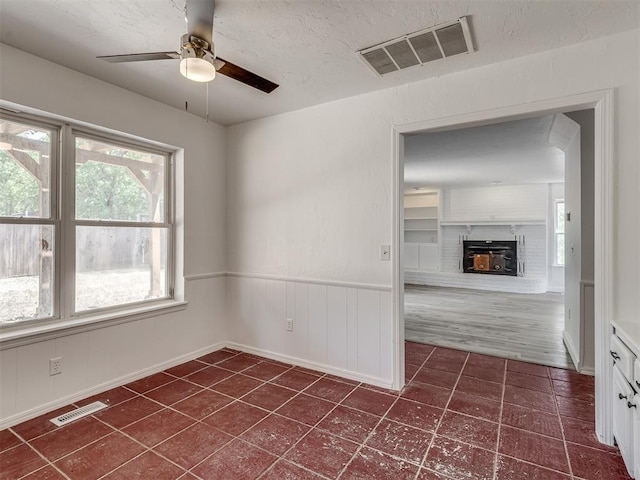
(230, 415)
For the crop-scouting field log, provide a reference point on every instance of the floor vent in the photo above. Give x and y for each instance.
(418, 48)
(78, 413)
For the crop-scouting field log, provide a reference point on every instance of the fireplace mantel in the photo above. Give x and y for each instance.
(492, 223)
(497, 222)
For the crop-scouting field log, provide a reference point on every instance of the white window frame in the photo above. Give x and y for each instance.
(53, 219)
(62, 217)
(557, 232)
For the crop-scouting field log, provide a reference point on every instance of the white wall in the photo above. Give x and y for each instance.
(309, 197)
(309, 192)
(572, 238)
(95, 359)
(585, 118)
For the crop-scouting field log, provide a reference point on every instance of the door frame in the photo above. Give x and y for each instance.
(602, 103)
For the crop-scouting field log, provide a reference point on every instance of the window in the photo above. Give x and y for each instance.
(559, 217)
(99, 239)
(28, 223)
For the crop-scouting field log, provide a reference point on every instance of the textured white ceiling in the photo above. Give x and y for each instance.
(307, 46)
(511, 153)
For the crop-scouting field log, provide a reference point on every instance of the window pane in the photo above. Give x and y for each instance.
(117, 183)
(119, 265)
(560, 217)
(25, 170)
(560, 249)
(26, 272)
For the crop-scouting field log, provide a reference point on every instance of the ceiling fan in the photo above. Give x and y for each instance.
(198, 61)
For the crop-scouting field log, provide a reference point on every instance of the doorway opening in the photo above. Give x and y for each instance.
(600, 288)
(485, 215)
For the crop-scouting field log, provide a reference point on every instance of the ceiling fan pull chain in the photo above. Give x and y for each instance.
(206, 86)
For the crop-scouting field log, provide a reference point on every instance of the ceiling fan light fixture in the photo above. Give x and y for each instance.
(196, 61)
(197, 69)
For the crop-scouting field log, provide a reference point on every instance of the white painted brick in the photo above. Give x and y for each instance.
(498, 202)
(497, 283)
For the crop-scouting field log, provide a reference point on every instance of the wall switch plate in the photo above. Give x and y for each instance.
(289, 324)
(55, 366)
(385, 252)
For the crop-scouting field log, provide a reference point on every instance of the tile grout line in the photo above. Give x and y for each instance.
(362, 444)
(201, 420)
(52, 462)
(504, 388)
(146, 449)
(298, 392)
(48, 462)
(444, 410)
(424, 362)
(564, 439)
(315, 426)
(150, 449)
(273, 412)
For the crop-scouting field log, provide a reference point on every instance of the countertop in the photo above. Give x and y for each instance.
(629, 333)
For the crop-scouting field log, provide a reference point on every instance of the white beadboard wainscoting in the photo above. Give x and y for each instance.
(338, 327)
(97, 358)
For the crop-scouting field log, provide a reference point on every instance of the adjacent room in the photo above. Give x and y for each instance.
(381, 239)
(484, 238)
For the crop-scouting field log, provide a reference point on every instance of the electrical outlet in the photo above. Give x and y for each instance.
(55, 366)
(289, 324)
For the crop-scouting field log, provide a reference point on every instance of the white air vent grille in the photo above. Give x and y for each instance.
(78, 413)
(418, 48)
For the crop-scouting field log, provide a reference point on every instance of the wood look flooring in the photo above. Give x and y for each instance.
(525, 327)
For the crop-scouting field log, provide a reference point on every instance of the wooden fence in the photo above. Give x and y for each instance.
(98, 248)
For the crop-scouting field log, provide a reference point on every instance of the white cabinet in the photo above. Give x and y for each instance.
(623, 416)
(636, 439)
(421, 225)
(636, 420)
(428, 256)
(625, 404)
(411, 256)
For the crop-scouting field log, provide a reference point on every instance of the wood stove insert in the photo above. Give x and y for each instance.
(490, 257)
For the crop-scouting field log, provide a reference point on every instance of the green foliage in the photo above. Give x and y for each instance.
(19, 190)
(109, 192)
(103, 191)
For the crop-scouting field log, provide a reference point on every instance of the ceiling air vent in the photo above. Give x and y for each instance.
(418, 48)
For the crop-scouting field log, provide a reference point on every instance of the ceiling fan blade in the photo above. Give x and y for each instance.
(140, 57)
(200, 19)
(245, 76)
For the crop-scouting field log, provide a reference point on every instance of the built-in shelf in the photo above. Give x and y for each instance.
(421, 229)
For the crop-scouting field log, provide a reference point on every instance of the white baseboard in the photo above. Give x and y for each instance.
(555, 290)
(358, 377)
(103, 387)
(572, 351)
(588, 371)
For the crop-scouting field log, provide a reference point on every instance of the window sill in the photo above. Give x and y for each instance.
(26, 333)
